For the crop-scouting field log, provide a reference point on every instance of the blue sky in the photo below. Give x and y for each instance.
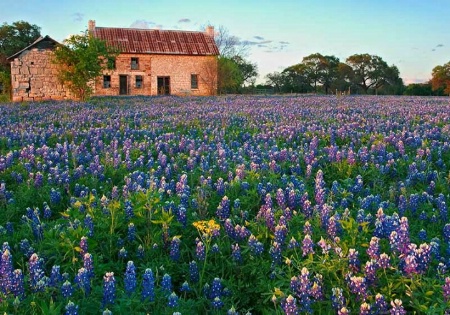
(414, 35)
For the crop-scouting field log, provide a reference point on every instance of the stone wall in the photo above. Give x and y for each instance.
(178, 67)
(34, 77)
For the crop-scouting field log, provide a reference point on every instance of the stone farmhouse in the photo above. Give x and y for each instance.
(150, 62)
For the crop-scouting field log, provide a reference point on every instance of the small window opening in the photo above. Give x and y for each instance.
(106, 81)
(134, 63)
(194, 81)
(139, 80)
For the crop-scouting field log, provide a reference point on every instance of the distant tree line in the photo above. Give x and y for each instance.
(361, 73)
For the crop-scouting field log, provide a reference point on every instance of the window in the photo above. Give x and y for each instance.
(134, 63)
(111, 63)
(139, 80)
(106, 81)
(194, 81)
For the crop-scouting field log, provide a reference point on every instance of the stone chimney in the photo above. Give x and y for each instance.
(91, 26)
(210, 31)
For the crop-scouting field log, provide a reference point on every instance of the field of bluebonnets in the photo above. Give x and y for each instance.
(232, 205)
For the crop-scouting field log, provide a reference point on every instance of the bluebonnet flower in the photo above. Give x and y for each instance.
(89, 224)
(55, 196)
(193, 272)
(6, 270)
(173, 300)
(293, 243)
(373, 251)
(166, 284)
(337, 298)
(275, 253)
(55, 276)
(200, 251)
(148, 285)
(131, 232)
(83, 246)
(216, 288)
(353, 260)
(223, 210)
(289, 305)
(38, 280)
(422, 235)
(380, 306)
(317, 287)
(364, 309)
(307, 228)
(446, 289)
(88, 264)
(236, 253)
(71, 308)
(301, 286)
(129, 214)
(256, 247)
(232, 311)
(217, 303)
(384, 261)
(140, 252)
(175, 248)
(307, 245)
(109, 289)
(17, 284)
(123, 253)
(181, 216)
(397, 308)
(343, 311)
(280, 234)
(130, 278)
(358, 286)
(185, 287)
(370, 270)
(215, 248)
(66, 289)
(47, 211)
(82, 279)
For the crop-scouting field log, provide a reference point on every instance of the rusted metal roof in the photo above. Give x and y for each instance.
(153, 41)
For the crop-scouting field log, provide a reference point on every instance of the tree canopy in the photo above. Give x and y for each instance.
(81, 60)
(14, 38)
(234, 70)
(363, 72)
(441, 78)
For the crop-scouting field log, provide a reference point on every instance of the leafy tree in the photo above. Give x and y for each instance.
(229, 76)
(296, 79)
(14, 38)
(232, 54)
(276, 80)
(321, 70)
(81, 60)
(249, 71)
(441, 78)
(313, 68)
(371, 72)
(420, 89)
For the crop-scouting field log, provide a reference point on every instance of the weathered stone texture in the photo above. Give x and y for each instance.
(34, 77)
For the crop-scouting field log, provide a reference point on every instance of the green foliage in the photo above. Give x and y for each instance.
(441, 78)
(14, 38)
(229, 76)
(81, 60)
(421, 89)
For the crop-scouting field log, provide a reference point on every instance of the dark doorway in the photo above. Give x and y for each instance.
(123, 85)
(163, 85)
